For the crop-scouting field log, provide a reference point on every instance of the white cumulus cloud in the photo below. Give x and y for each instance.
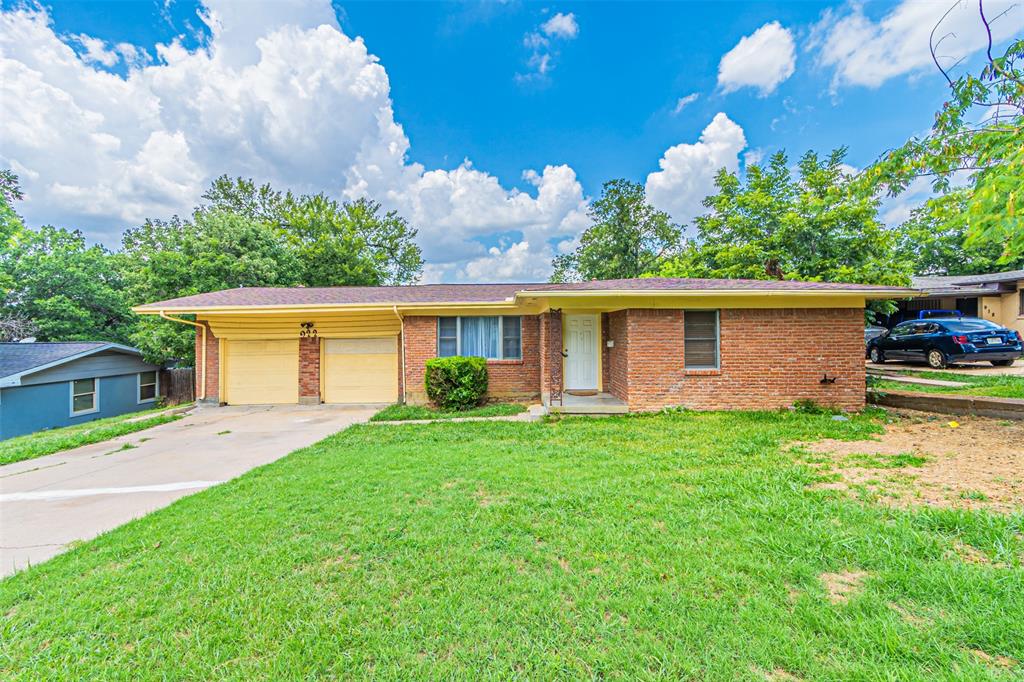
(762, 60)
(95, 50)
(280, 94)
(561, 26)
(542, 45)
(865, 52)
(688, 170)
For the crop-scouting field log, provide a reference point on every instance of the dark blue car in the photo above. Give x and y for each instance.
(940, 341)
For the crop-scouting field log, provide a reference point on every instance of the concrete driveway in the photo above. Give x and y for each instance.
(48, 502)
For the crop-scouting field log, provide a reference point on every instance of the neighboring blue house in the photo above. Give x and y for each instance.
(48, 385)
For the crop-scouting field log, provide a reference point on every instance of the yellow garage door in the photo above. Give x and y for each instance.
(261, 372)
(360, 370)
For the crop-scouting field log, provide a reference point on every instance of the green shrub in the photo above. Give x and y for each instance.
(456, 383)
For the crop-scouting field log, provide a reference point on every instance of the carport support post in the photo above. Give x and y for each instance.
(309, 370)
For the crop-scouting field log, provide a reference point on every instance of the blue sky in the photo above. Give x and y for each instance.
(589, 90)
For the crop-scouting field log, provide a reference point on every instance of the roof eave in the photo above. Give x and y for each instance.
(15, 379)
(896, 292)
(870, 294)
(317, 307)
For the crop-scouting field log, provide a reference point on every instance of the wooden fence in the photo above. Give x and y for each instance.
(178, 385)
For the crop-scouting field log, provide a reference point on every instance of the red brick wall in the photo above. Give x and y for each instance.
(309, 370)
(506, 378)
(212, 373)
(550, 342)
(616, 366)
(769, 359)
(420, 345)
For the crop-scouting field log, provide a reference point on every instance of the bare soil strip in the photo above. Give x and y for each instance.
(934, 460)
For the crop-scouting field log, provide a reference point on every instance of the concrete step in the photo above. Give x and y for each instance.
(588, 409)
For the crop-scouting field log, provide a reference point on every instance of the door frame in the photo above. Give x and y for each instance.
(597, 351)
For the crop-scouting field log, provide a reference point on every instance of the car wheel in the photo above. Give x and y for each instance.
(1002, 363)
(877, 356)
(936, 359)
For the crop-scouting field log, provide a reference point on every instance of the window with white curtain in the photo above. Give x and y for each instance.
(494, 338)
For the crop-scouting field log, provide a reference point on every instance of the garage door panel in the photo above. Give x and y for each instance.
(262, 372)
(360, 370)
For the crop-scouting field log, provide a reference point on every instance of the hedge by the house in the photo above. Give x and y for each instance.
(456, 383)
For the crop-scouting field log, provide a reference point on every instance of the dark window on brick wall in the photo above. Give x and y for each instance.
(701, 339)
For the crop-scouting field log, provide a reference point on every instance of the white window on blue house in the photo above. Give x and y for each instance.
(494, 338)
(147, 387)
(83, 396)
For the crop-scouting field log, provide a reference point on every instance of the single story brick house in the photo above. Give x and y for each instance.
(643, 344)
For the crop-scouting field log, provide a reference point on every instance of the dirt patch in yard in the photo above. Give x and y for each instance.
(841, 586)
(934, 460)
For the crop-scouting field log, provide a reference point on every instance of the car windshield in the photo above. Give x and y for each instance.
(970, 325)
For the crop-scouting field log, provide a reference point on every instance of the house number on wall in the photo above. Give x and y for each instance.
(308, 330)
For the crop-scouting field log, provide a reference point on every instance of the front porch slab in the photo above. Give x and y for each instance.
(601, 403)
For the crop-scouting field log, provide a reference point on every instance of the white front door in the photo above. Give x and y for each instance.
(582, 346)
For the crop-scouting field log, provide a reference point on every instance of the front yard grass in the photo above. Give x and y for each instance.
(47, 442)
(995, 386)
(398, 413)
(672, 546)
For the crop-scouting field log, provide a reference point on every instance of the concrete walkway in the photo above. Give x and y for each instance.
(48, 502)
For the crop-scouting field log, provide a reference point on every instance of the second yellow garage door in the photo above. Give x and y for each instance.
(360, 370)
(261, 372)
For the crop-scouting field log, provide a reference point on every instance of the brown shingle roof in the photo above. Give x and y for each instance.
(479, 293)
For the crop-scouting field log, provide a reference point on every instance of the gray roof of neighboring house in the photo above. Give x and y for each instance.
(482, 293)
(966, 285)
(1008, 276)
(22, 358)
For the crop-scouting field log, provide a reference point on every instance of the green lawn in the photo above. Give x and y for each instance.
(398, 413)
(50, 441)
(997, 386)
(670, 546)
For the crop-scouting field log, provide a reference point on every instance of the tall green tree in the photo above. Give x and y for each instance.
(978, 134)
(628, 238)
(11, 227)
(249, 235)
(351, 243)
(338, 243)
(935, 241)
(217, 249)
(815, 226)
(10, 222)
(66, 289)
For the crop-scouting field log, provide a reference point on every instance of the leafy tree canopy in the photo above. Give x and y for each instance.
(218, 249)
(338, 243)
(249, 235)
(628, 238)
(772, 225)
(934, 240)
(64, 289)
(978, 134)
